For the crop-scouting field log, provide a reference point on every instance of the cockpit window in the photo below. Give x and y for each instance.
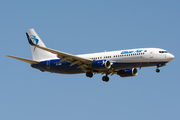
(163, 52)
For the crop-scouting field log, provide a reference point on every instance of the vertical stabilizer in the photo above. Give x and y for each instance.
(38, 54)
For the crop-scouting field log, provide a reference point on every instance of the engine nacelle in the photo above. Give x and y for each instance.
(101, 65)
(128, 72)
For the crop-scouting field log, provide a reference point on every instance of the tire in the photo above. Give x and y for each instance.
(105, 78)
(157, 70)
(89, 74)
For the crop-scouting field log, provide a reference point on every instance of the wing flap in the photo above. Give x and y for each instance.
(24, 60)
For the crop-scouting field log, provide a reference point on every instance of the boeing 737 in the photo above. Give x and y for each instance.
(122, 62)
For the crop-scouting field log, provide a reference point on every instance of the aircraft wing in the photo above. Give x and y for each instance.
(24, 60)
(63, 55)
(73, 59)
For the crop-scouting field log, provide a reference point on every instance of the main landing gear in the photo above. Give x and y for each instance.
(89, 74)
(105, 78)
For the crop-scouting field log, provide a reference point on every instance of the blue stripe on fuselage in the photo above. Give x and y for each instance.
(64, 67)
(58, 67)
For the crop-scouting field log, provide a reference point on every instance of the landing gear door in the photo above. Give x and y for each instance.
(151, 54)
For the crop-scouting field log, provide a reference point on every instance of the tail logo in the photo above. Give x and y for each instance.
(35, 40)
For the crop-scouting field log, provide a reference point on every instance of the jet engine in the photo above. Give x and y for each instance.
(128, 72)
(101, 65)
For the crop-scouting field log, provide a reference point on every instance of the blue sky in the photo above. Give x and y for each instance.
(79, 27)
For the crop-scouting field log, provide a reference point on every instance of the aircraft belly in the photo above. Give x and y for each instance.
(66, 69)
(126, 65)
(57, 67)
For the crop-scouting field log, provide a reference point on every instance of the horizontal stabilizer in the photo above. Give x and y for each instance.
(25, 60)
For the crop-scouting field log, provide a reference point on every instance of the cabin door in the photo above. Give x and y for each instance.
(48, 64)
(151, 54)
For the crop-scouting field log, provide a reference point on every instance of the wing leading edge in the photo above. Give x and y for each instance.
(73, 59)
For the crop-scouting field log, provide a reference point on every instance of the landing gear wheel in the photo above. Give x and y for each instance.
(105, 78)
(89, 74)
(157, 70)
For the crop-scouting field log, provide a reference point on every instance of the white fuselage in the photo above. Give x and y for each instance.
(132, 55)
(122, 59)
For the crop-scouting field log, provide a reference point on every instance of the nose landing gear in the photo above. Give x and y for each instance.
(160, 65)
(157, 70)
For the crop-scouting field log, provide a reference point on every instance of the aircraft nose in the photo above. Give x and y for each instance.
(170, 57)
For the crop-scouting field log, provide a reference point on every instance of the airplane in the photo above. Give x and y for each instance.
(122, 62)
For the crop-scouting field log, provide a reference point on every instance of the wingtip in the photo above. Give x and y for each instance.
(10, 56)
